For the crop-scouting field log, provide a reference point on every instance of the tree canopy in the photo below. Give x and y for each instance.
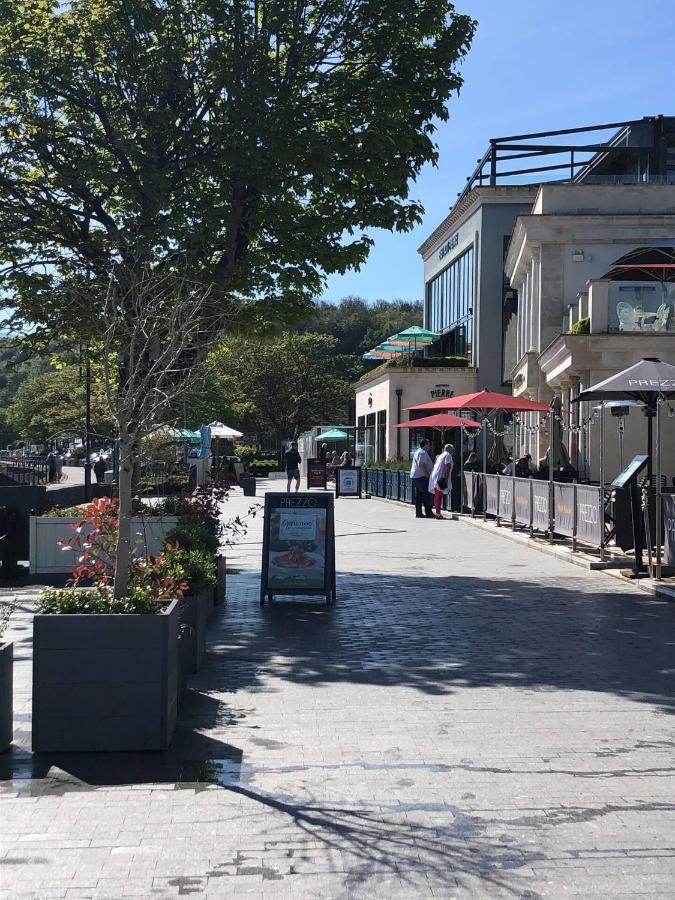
(286, 384)
(246, 143)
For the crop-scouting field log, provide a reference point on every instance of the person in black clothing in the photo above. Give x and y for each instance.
(293, 467)
(323, 453)
(99, 470)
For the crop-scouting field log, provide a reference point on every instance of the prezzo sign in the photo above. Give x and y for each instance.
(540, 510)
(298, 545)
(449, 245)
(589, 526)
(441, 390)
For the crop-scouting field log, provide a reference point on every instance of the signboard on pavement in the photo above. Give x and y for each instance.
(348, 481)
(298, 545)
(316, 474)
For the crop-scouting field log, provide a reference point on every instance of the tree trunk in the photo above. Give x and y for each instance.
(123, 551)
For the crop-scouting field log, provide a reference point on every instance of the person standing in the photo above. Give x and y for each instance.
(323, 453)
(51, 467)
(58, 464)
(99, 470)
(420, 471)
(293, 460)
(439, 479)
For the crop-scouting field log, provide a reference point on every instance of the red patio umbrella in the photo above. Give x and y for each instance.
(440, 420)
(485, 401)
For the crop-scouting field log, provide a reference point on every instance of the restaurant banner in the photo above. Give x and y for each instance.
(563, 509)
(348, 481)
(522, 499)
(668, 501)
(505, 497)
(316, 474)
(540, 500)
(467, 495)
(492, 494)
(589, 524)
(298, 545)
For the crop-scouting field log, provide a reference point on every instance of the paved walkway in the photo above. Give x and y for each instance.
(471, 719)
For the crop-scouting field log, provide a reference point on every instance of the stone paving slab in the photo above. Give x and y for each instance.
(471, 719)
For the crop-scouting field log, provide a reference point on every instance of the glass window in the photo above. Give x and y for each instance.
(450, 297)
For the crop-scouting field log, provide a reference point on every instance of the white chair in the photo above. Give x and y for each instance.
(661, 317)
(627, 317)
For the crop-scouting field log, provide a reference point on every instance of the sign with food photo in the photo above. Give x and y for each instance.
(297, 557)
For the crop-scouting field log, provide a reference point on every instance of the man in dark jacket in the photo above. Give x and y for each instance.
(293, 466)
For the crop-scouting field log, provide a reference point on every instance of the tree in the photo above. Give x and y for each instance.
(241, 145)
(52, 405)
(359, 326)
(291, 382)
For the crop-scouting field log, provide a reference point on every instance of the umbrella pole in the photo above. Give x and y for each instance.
(484, 467)
(551, 489)
(461, 469)
(650, 441)
(658, 489)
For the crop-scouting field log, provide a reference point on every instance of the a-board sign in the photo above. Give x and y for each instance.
(348, 481)
(634, 467)
(298, 545)
(316, 474)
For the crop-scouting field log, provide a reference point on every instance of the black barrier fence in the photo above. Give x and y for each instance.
(575, 513)
(668, 529)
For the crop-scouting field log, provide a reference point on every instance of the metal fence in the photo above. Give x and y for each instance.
(571, 510)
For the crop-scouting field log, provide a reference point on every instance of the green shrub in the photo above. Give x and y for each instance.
(66, 512)
(435, 362)
(583, 326)
(196, 567)
(193, 536)
(70, 601)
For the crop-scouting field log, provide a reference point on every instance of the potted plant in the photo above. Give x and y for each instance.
(105, 669)
(6, 680)
(196, 568)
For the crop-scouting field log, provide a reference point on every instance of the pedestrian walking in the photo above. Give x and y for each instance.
(58, 465)
(99, 470)
(293, 460)
(419, 475)
(51, 467)
(439, 480)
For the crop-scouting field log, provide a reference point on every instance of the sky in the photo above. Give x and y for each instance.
(535, 65)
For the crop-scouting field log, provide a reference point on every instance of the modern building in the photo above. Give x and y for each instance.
(576, 327)
(497, 287)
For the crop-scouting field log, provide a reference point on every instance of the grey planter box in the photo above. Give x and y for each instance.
(194, 613)
(6, 692)
(105, 682)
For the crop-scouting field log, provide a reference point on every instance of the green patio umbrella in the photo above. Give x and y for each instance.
(334, 434)
(413, 336)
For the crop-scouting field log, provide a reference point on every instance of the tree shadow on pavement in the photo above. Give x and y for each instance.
(438, 634)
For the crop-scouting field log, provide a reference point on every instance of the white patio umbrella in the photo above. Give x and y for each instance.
(220, 430)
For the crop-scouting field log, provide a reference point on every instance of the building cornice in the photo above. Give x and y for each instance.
(468, 204)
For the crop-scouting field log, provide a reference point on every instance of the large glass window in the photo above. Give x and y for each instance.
(450, 302)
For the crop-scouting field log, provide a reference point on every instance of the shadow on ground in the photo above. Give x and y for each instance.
(438, 634)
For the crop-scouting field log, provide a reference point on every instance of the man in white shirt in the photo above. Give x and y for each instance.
(419, 474)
